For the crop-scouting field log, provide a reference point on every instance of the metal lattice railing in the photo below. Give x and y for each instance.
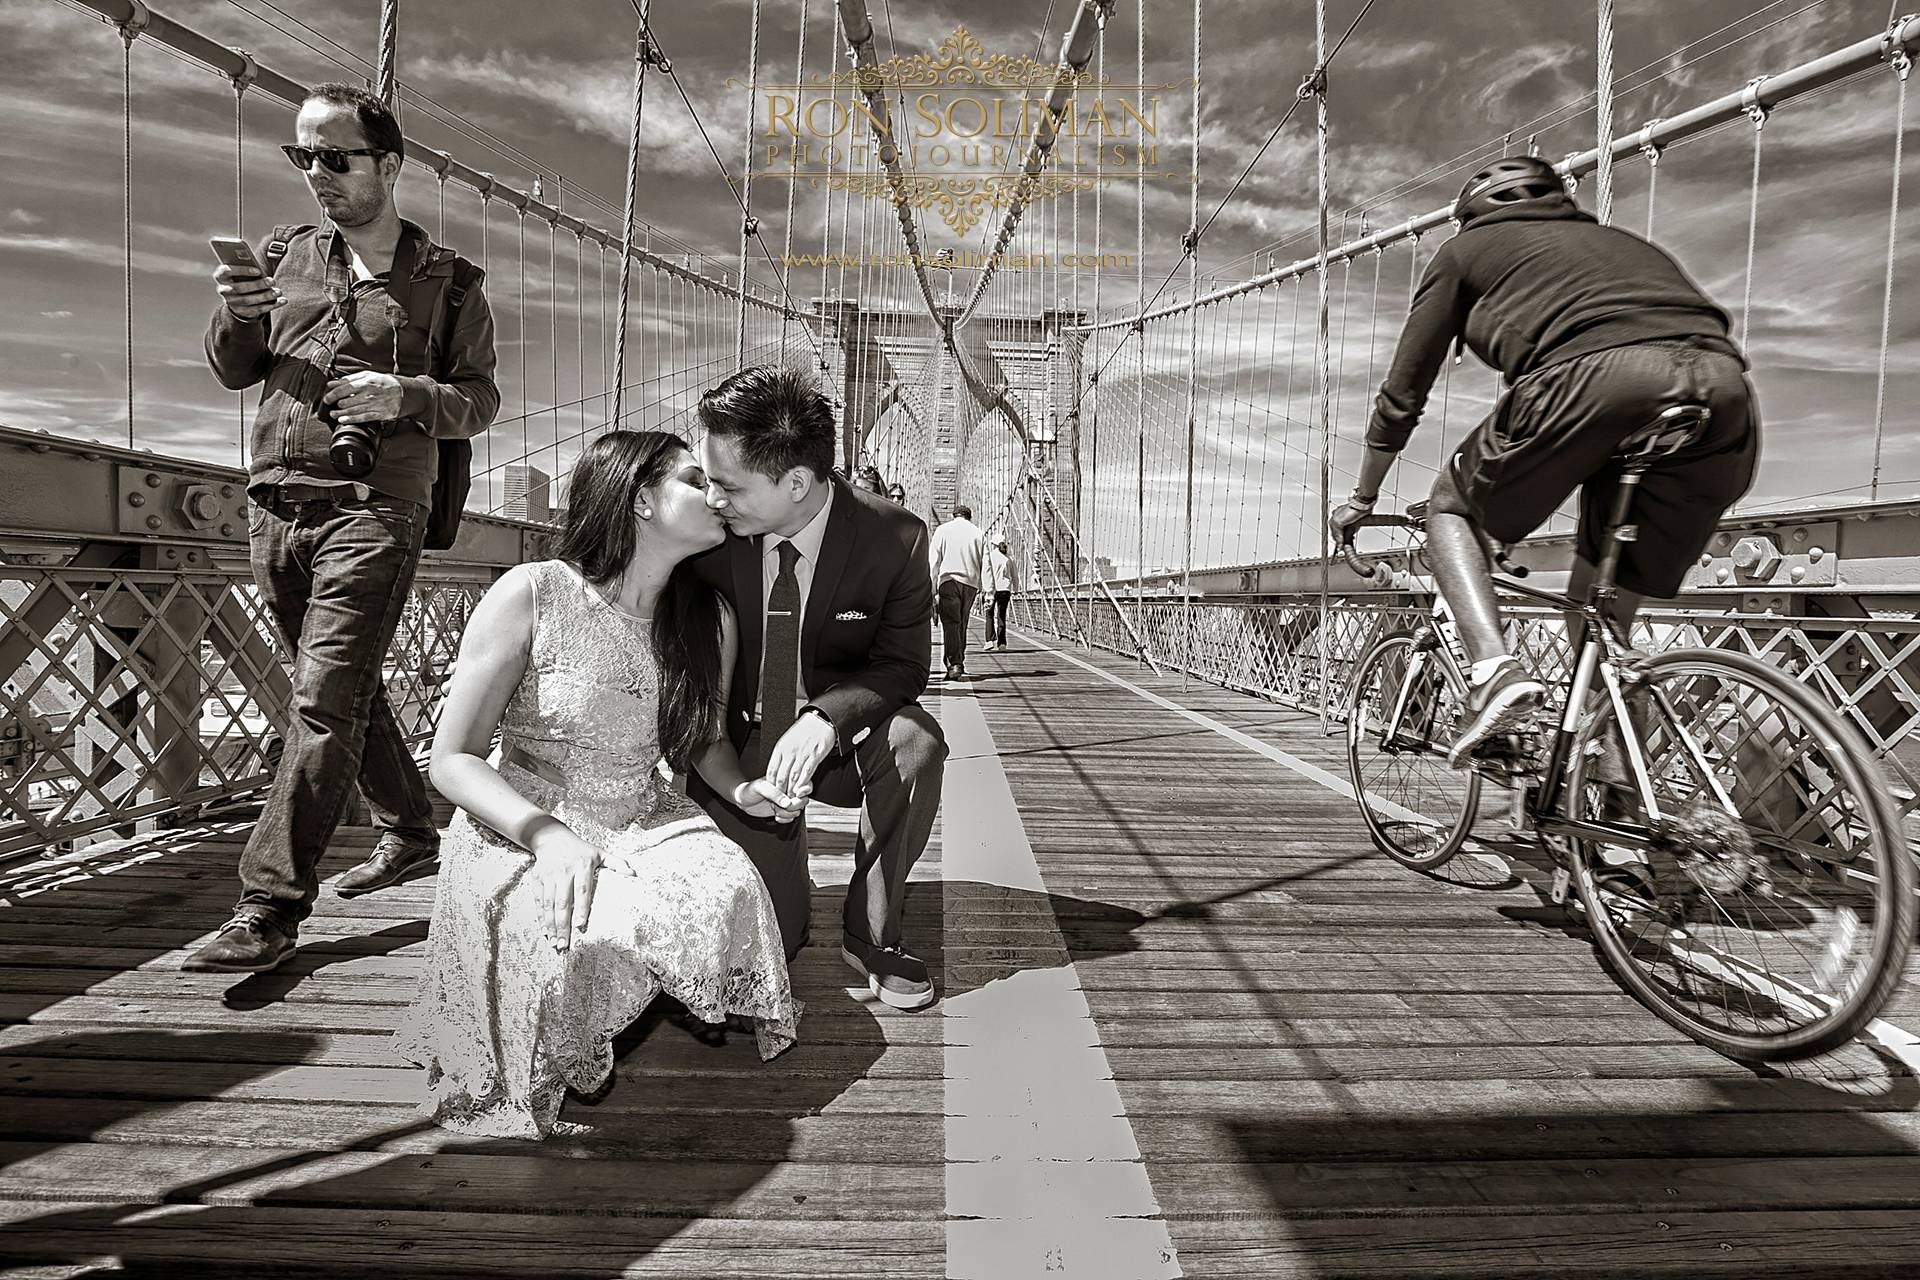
(1867, 668)
(138, 697)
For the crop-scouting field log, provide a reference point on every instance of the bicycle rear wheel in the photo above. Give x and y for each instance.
(1418, 809)
(1773, 916)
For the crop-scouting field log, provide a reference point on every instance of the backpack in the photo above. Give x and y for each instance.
(455, 476)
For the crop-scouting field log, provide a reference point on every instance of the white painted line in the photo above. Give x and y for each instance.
(1044, 1177)
(1311, 772)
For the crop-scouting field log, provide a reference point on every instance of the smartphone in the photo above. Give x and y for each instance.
(236, 252)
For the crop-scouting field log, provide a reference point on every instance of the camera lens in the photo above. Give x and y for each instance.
(354, 448)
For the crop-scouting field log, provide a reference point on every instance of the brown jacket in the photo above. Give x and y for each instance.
(331, 326)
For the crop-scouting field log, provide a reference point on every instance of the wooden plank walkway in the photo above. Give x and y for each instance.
(1322, 1064)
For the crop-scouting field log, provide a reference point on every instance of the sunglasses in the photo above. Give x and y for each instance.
(333, 158)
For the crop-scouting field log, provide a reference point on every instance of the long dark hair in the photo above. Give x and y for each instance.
(598, 540)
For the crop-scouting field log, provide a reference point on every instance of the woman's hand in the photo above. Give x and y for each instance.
(564, 867)
(762, 799)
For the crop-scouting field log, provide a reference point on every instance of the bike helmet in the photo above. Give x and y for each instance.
(1505, 181)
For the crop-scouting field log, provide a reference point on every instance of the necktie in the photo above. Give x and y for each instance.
(780, 662)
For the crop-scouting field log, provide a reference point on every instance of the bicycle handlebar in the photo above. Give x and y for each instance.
(1379, 572)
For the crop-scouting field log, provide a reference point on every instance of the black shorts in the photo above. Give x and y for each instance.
(1558, 429)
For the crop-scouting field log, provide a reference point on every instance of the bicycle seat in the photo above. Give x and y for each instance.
(1675, 429)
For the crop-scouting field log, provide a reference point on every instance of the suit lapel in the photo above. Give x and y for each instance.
(835, 549)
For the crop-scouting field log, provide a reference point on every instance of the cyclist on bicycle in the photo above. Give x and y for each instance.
(1596, 332)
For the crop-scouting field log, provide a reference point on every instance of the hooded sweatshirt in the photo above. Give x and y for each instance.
(1532, 284)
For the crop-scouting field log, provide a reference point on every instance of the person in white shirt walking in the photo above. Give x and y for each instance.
(999, 585)
(958, 549)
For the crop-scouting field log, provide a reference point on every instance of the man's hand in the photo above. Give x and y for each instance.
(807, 742)
(248, 294)
(1344, 518)
(364, 397)
(761, 799)
(564, 868)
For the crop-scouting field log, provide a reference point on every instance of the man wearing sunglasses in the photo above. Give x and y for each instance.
(359, 323)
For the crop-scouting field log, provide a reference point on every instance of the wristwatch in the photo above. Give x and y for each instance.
(810, 709)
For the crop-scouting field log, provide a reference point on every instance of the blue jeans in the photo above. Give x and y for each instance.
(335, 574)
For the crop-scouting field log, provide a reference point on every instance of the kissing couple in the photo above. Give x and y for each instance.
(743, 614)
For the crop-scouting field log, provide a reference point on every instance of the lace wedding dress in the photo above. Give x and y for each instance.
(503, 1022)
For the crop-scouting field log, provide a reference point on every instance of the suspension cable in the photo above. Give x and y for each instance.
(749, 226)
(643, 55)
(1603, 93)
(1902, 65)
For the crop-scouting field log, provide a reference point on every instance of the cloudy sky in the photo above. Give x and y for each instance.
(1419, 94)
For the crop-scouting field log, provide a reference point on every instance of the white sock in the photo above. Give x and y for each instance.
(1483, 671)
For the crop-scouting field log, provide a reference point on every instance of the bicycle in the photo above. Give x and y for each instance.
(1730, 839)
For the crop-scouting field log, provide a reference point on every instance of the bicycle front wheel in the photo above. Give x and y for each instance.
(1772, 916)
(1400, 720)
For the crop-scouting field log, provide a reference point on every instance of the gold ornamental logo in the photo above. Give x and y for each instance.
(960, 123)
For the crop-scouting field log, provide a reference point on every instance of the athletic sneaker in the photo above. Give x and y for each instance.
(1501, 703)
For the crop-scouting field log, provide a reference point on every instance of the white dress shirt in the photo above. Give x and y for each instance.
(807, 543)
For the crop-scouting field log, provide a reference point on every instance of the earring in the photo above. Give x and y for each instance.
(646, 513)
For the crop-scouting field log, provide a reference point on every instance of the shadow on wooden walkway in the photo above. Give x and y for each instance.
(1328, 1066)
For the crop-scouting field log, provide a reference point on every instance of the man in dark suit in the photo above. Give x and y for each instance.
(832, 594)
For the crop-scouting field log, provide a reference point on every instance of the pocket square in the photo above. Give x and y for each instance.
(851, 615)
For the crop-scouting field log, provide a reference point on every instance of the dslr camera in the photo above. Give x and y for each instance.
(356, 445)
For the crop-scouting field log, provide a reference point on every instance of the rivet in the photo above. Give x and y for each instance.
(1726, 1246)
(1706, 561)
(1799, 535)
(1593, 1173)
(153, 480)
(1799, 572)
(136, 499)
(1663, 1226)
(226, 491)
(226, 531)
(172, 554)
(153, 522)
(1721, 574)
(1814, 554)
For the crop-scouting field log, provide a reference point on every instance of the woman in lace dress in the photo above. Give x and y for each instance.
(575, 883)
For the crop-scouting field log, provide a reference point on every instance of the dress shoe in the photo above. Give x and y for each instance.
(248, 943)
(896, 978)
(390, 860)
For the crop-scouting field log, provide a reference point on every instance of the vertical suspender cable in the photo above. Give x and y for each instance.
(786, 251)
(389, 34)
(553, 319)
(520, 332)
(1092, 357)
(579, 337)
(642, 53)
(1192, 243)
(1902, 64)
(1603, 177)
(1323, 350)
(129, 32)
(1651, 150)
(1758, 114)
(242, 80)
(1140, 328)
(747, 224)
